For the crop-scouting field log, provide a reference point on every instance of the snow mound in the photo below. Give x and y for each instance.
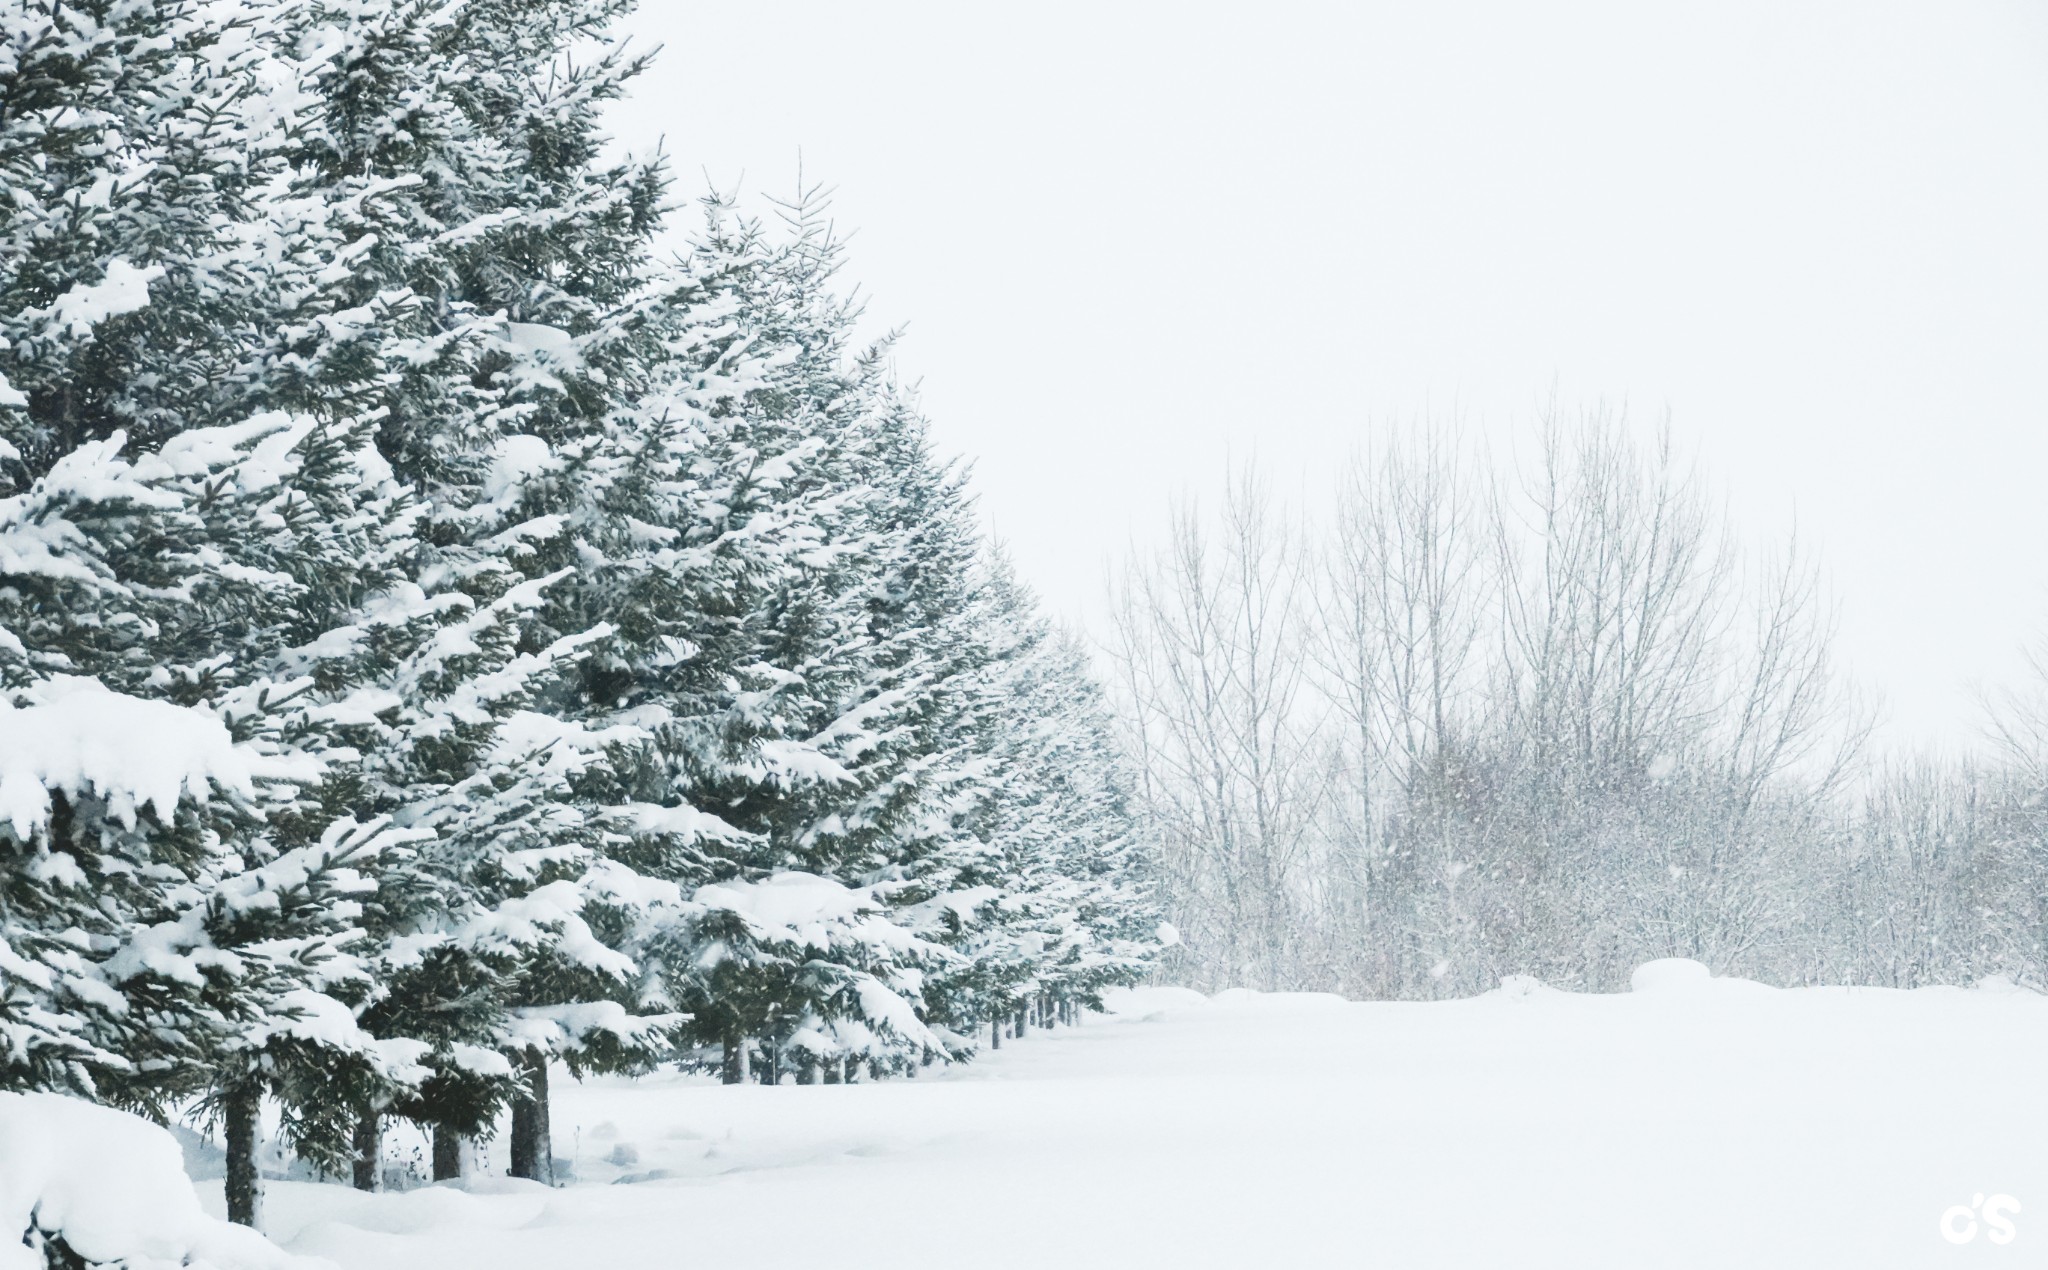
(1528, 987)
(1256, 998)
(447, 1207)
(113, 1187)
(1149, 1001)
(1677, 975)
(1669, 974)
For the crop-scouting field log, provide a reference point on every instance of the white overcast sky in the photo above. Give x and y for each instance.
(1133, 239)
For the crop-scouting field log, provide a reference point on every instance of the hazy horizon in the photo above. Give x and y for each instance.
(1158, 237)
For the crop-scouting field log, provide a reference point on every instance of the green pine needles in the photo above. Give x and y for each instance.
(440, 639)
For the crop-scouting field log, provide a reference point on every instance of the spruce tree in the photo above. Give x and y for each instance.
(461, 146)
(549, 620)
(213, 931)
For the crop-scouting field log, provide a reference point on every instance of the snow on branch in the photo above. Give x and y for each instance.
(124, 289)
(83, 738)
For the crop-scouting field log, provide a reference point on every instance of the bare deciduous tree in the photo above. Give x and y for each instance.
(1548, 720)
(1209, 646)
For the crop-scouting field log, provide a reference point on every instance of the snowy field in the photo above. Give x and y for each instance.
(1688, 1124)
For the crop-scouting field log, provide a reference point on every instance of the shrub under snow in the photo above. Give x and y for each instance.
(112, 1188)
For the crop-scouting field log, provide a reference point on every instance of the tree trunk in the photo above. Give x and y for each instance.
(533, 1150)
(771, 1066)
(447, 1154)
(369, 1149)
(1021, 1024)
(244, 1108)
(732, 1066)
(995, 1034)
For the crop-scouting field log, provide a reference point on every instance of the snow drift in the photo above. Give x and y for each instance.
(113, 1188)
(1695, 1123)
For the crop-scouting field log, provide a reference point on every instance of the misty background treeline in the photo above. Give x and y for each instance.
(1544, 712)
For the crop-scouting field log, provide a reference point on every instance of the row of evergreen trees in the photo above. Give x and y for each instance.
(438, 637)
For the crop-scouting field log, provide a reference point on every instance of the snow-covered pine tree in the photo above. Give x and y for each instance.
(810, 975)
(143, 277)
(75, 879)
(954, 857)
(810, 748)
(346, 414)
(1100, 873)
(992, 892)
(982, 892)
(873, 754)
(686, 525)
(286, 581)
(216, 931)
(460, 145)
(134, 138)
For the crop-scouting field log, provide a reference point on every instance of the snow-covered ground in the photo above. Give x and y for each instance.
(1691, 1123)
